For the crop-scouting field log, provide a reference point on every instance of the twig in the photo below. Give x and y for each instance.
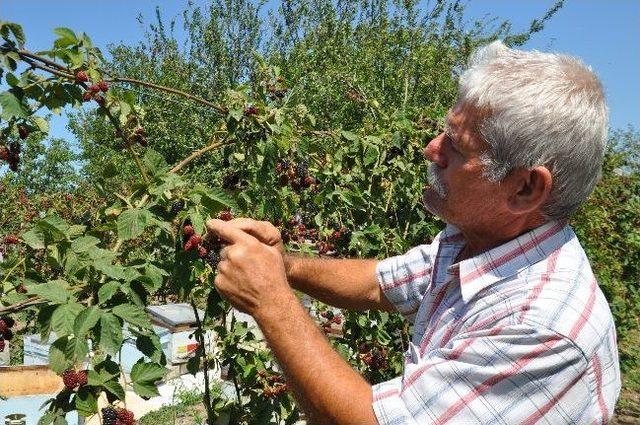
(196, 99)
(205, 364)
(42, 59)
(198, 153)
(24, 303)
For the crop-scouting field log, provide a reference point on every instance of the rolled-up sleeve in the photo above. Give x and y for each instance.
(404, 279)
(511, 374)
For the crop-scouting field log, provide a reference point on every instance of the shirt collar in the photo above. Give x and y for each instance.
(503, 261)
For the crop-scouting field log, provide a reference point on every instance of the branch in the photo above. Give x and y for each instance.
(198, 153)
(196, 99)
(28, 54)
(29, 302)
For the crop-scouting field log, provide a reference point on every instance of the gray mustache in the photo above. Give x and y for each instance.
(434, 181)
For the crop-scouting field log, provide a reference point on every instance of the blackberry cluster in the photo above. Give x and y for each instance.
(375, 357)
(329, 319)
(208, 249)
(11, 154)
(277, 90)
(11, 239)
(73, 378)
(93, 92)
(6, 334)
(295, 175)
(250, 110)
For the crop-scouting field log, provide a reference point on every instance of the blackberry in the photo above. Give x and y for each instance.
(225, 215)
(11, 239)
(82, 377)
(230, 180)
(69, 378)
(177, 207)
(103, 86)
(8, 334)
(4, 153)
(3, 326)
(302, 170)
(2, 343)
(9, 321)
(125, 417)
(109, 416)
(23, 132)
(213, 258)
(82, 77)
(188, 230)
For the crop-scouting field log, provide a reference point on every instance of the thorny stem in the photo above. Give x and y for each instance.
(29, 302)
(199, 152)
(205, 364)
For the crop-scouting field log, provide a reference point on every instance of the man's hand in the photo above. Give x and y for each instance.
(251, 274)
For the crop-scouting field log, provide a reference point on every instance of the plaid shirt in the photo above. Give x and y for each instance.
(518, 334)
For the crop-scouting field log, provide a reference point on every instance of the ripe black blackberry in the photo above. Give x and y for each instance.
(213, 258)
(109, 416)
(177, 207)
(125, 417)
(302, 170)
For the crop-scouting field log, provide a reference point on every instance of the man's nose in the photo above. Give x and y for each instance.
(433, 151)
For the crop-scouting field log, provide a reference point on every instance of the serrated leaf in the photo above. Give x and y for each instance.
(348, 135)
(66, 34)
(85, 402)
(34, 238)
(107, 291)
(144, 377)
(60, 355)
(55, 291)
(83, 243)
(41, 123)
(12, 107)
(131, 223)
(132, 314)
(86, 320)
(63, 318)
(115, 388)
(110, 333)
(154, 162)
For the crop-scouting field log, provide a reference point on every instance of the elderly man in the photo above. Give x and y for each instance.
(510, 324)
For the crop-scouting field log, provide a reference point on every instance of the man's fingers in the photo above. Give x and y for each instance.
(229, 233)
(264, 231)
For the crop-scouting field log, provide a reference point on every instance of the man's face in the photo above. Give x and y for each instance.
(457, 191)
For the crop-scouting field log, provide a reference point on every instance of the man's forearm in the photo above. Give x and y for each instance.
(326, 387)
(344, 283)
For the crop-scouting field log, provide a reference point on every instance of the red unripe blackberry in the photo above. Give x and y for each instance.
(9, 321)
(2, 344)
(309, 181)
(225, 215)
(8, 335)
(87, 96)
(188, 230)
(103, 86)
(202, 252)
(3, 326)
(69, 379)
(337, 320)
(195, 240)
(21, 289)
(250, 110)
(94, 88)
(109, 416)
(81, 77)
(11, 239)
(82, 377)
(4, 153)
(336, 235)
(125, 417)
(188, 246)
(23, 132)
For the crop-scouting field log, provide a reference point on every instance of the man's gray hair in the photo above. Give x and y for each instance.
(540, 109)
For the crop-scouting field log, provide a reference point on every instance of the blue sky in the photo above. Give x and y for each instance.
(604, 34)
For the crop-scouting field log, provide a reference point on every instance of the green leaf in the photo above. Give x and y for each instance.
(41, 123)
(80, 349)
(34, 238)
(107, 291)
(12, 107)
(348, 135)
(144, 377)
(131, 223)
(110, 333)
(86, 320)
(61, 355)
(85, 402)
(154, 162)
(113, 271)
(83, 243)
(54, 228)
(132, 314)
(66, 34)
(63, 318)
(115, 388)
(55, 291)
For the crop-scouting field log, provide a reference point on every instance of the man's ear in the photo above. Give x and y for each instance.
(531, 189)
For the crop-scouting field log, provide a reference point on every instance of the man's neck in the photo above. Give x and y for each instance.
(483, 239)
